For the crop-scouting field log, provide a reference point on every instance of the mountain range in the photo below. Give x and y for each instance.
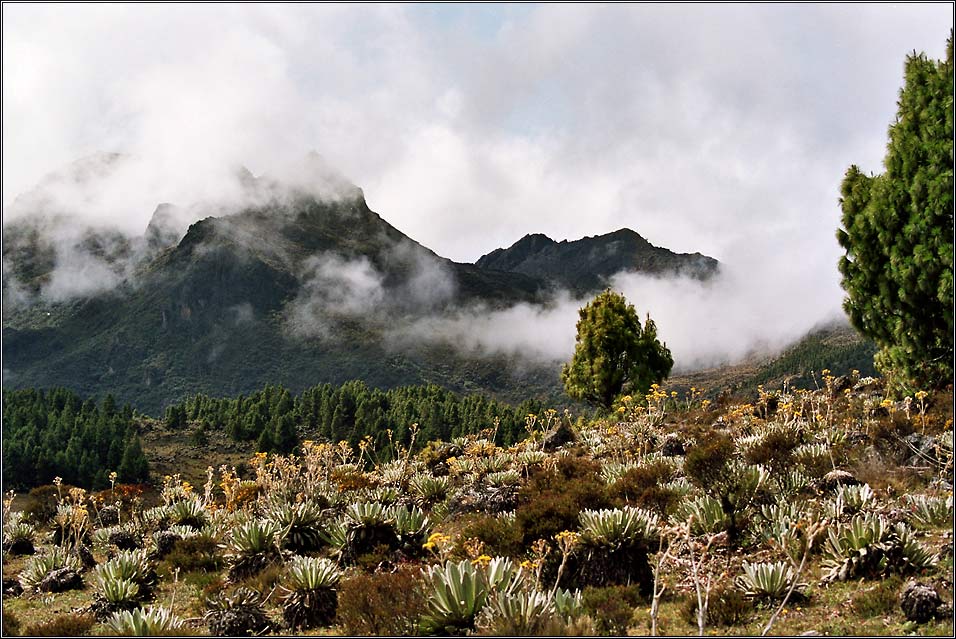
(286, 285)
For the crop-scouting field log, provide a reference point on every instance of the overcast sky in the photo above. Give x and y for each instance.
(721, 129)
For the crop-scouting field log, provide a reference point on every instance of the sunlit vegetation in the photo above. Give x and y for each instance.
(799, 510)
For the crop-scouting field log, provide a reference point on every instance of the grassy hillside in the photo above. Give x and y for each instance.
(843, 494)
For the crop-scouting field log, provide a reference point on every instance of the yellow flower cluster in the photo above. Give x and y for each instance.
(436, 540)
(481, 560)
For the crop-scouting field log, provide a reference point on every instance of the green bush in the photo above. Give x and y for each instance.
(199, 553)
(501, 535)
(644, 486)
(611, 608)
(551, 501)
(726, 607)
(382, 604)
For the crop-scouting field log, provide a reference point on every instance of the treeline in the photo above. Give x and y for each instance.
(813, 354)
(277, 421)
(55, 433)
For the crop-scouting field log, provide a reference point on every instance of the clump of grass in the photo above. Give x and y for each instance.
(70, 625)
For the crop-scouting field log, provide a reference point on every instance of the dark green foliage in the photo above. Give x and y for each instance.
(54, 433)
(551, 501)
(775, 449)
(69, 625)
(199, 553)
(837, 348)
(710, 465)
(501, 535)
(726, 607)
(643, 487)
(133, 466)
(382, 604)
(612, 608)
(275, 419)
(100, 438)
(614, 353)
(898, 233)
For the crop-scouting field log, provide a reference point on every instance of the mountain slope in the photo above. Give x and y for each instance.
(585, 265)
(295, 290)
(295, 282)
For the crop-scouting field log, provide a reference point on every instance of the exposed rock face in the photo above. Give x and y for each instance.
(61, 580)
(585, 265)
(165, 540)
(558, 436)
(920, 602)
(836, 478)
(672, 447)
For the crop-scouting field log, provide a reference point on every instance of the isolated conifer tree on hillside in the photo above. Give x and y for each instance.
(614, 353)
(898, 233)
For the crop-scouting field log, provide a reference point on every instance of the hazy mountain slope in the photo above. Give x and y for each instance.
(267, 294)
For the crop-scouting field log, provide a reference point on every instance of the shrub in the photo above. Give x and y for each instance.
(499, 534)
(644, 486)
(265, 580)
(550, 501)
(71, 625)
(386, 604)
(774, 448)
(611, 608)
(712, 465)
(725, 607)
(41, 502)
(198, 553)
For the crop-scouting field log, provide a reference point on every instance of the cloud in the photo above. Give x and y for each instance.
(537, 334)
(724, 130)
(333, 287)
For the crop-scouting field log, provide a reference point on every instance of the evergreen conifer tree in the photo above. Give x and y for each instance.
(898, 233)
